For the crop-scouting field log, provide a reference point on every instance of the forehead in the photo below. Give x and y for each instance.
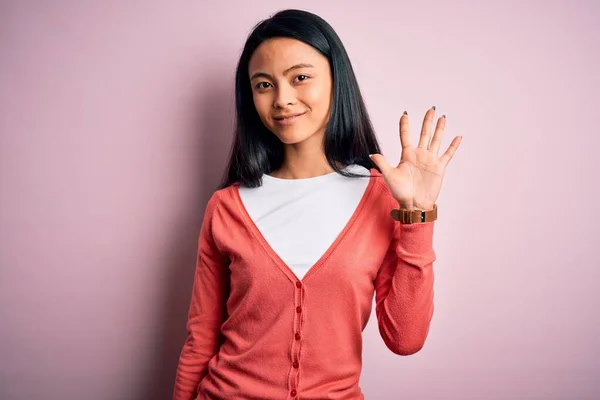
(278, 54)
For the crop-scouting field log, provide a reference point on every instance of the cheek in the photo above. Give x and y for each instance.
(319, 100)
(315, 94)
(262, 105)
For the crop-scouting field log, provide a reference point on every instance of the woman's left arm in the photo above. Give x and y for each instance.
(404, 288)
(404, 283)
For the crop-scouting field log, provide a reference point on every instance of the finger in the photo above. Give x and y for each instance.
(447, 156)
(404, 131)
(381, 163)
(426, 128)
(434, 146)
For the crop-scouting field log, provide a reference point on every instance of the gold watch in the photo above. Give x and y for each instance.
(414, 216)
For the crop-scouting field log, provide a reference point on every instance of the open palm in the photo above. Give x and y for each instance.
(417, 180)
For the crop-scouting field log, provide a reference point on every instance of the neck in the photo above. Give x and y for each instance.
(303, 161)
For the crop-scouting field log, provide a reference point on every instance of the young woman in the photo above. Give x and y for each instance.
(308, 225)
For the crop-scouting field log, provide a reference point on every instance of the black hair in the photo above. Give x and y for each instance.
(349, 135)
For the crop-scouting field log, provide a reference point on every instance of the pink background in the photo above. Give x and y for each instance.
(115, 123)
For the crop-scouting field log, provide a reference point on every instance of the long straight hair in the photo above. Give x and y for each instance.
(349, 135)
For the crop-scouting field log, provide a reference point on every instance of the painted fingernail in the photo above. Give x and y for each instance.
(405, 113)
(443, 115)
(433, 108)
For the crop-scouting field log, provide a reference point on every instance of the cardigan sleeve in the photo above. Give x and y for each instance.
(207, 310)
(404, 288)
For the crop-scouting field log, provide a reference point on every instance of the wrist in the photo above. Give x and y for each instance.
(415, 206)
(406, 216)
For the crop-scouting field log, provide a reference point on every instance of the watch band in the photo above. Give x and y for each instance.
(415, 216)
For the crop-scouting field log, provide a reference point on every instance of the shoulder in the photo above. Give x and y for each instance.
(220, 214)
(219, 205)
(221, 198)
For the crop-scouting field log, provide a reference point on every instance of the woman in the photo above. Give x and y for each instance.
(309, 223)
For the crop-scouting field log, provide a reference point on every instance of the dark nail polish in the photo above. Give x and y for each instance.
(444, 116)
(405, 113)
(433, 108)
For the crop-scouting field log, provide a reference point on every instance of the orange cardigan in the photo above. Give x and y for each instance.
(257, 332)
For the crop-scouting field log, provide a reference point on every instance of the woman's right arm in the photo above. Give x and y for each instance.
(207, 310)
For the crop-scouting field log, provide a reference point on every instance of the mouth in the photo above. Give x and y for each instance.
(287, 119)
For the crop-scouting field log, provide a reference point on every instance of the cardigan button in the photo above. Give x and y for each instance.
(293, 393)
(295, 364)
(298, 309)
(297, 336)
(298, 284)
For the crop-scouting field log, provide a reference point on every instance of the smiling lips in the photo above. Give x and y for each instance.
(288, 118)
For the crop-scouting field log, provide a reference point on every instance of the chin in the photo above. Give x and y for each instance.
(291, 140)
(290, 137)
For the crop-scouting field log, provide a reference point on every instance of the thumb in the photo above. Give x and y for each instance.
(381, 163)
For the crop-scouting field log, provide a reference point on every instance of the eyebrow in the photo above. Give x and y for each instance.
(265, 75)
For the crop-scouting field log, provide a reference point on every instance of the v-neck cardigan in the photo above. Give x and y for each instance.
(255, 331)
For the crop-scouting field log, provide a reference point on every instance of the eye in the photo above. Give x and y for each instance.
(259, 87)
(302, 76)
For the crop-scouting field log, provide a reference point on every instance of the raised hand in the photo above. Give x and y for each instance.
(416, 182)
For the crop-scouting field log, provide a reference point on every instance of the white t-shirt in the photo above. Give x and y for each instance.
(301, 218)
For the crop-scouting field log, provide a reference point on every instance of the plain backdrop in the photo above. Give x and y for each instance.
(115, 124)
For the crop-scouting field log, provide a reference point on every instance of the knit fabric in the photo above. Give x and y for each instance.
(257, 332)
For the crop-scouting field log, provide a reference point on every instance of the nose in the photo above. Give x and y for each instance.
(285, 96)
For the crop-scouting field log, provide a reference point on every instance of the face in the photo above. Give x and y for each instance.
(291, 86)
